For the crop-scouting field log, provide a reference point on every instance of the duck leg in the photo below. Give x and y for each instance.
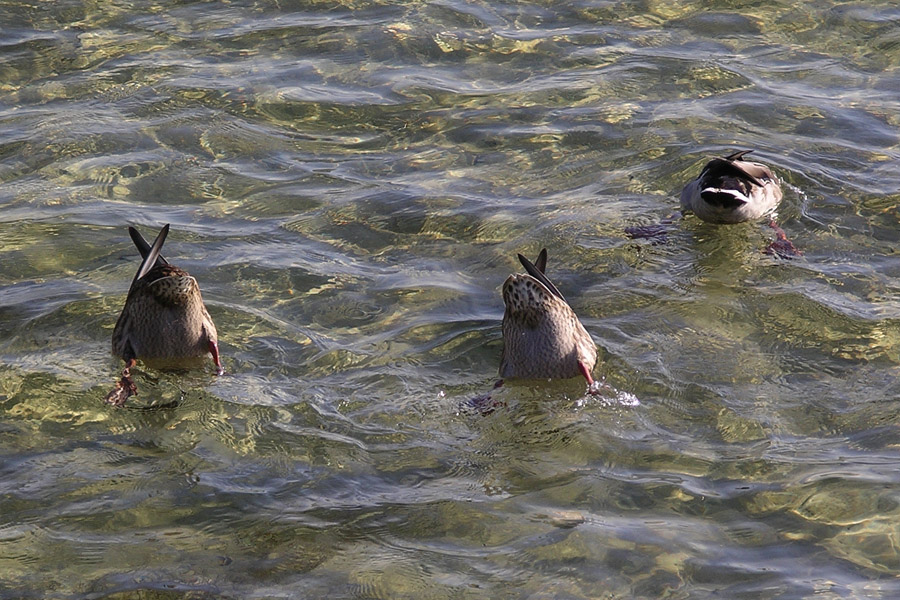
(214, 350)
(594, 387)
(586, 372)
(125, 387)
(782, 247)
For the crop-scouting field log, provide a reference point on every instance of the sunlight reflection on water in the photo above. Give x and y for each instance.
(350, 183)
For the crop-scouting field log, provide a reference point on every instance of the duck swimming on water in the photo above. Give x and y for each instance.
(164, 320)
(729, 190)
(542, 336)
(732, 190)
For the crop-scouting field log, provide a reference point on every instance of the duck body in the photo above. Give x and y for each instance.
(732, 190)
(164, 321)
(542, 335)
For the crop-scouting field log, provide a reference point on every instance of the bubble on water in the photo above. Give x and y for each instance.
(607, 395)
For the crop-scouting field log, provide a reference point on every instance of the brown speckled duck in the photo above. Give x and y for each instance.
(164, 321)
(732, 190)
(542, 336)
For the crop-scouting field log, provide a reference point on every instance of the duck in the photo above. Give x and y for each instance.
(542, 335)
(164, 321)
(732, 190)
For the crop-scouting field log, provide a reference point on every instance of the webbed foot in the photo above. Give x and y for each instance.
(125, 388)
(782, 247)
(485, 404)
(658, 233)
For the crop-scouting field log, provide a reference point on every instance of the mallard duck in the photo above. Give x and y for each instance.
(732, 190)
(542, 336)
(164, 321)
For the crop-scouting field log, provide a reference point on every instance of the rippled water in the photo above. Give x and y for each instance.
(350, 182)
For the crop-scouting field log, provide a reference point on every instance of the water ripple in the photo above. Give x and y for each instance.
(350, 183)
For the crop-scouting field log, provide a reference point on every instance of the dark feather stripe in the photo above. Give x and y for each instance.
(144, 247)
(150, 259)
(538, 274)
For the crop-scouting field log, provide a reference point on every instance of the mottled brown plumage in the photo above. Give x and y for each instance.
(164, 321)
(542, 336)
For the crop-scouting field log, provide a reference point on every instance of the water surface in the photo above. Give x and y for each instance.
(350, 182)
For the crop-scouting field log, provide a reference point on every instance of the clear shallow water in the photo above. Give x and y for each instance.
(350, 183)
